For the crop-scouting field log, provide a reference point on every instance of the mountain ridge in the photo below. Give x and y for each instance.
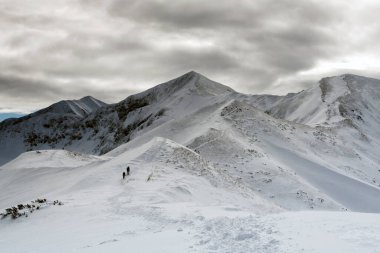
(91, 126)
(81, 107)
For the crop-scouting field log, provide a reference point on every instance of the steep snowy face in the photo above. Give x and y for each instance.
(80, 108)
(314, 106)
(360, 105)
(346, 99)
(140, 113)
(186, 93)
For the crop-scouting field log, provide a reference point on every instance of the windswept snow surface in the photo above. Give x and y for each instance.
(169, 198)
(173, 201)
(51, 159)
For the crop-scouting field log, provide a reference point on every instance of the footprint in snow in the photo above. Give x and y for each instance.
(109, 241)
(242, 237)
(232, 209)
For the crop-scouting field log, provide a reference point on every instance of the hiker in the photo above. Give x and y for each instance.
(123, 175)
(128, 171)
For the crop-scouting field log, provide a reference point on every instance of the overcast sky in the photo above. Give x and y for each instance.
(66, 49)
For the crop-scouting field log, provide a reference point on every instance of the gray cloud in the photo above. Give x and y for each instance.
(110, 49)
(199, 14)
(182, 14)
(27, 93)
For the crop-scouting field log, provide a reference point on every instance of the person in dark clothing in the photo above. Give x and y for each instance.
(123, 175)
(128, 171)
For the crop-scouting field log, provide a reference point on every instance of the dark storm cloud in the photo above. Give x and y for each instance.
(224, 13)
(182, 14)
(110, 49)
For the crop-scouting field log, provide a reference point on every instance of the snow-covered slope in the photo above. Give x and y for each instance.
(171, 190)
(204, 159)
(80, 108)
(50, 159)
(334, 100)
(89, 126)
(173, 201)
(51, 127)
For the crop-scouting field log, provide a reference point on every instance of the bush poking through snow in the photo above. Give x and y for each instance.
(149, 177)
(39, 201)
(15, 211)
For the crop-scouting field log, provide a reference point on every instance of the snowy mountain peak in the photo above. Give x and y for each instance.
(332, 88)
(192, 73)
(207, 86)
(90, 99)
(338, 86)
(189, 83)
(80, 108)
(345, 100)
